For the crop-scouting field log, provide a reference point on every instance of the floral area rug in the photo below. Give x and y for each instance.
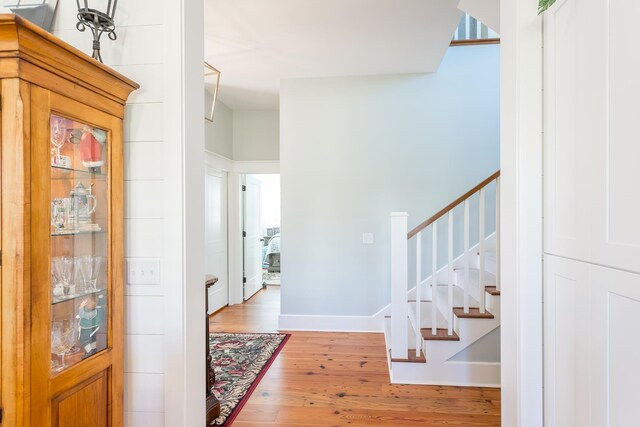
(240, 361)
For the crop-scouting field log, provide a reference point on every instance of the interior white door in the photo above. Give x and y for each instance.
(216, 237)
(253, 236)
(591, 211)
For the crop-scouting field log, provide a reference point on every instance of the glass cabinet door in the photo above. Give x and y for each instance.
(79, 241)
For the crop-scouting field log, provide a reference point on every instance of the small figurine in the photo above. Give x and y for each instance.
(91, 150)
(90, 318)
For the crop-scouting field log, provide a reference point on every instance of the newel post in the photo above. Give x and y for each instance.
(399, 286)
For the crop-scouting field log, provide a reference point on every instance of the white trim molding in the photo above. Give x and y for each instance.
(521, 121)
(234, 215)
(183, 227)
(216, 161)
(221, 162)
(256, 166)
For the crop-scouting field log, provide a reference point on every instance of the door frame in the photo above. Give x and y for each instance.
(235, 170)
(234, 195)
(521, 149)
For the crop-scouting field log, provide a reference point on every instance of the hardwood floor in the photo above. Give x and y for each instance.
(341, 379)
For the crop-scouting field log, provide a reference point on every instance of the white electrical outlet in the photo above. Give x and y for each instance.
(367, 238)
(143, 271)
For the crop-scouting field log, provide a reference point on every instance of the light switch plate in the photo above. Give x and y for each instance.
(367, 238)
(143, 271)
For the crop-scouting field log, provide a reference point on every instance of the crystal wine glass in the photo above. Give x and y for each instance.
(62, 271)
(59, 135)
(90, 269)
(78, 278)
(64, 335)
(56, 277)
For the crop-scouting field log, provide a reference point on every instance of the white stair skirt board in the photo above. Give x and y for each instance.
(461, 374)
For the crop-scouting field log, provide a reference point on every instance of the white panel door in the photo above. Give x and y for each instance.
(216, 237)
(253, 237)
(592, 355)
(591, 214)
(592, 87)
(566, 353)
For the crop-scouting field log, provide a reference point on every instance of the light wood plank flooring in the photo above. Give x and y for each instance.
(341, 379)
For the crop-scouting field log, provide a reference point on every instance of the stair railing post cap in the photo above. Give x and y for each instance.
(399, 214)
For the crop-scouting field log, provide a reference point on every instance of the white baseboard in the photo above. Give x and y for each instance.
(299, 322)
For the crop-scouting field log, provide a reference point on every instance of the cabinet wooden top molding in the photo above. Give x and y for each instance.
(30, 53)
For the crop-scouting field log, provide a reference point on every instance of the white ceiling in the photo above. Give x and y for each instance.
(255, 43)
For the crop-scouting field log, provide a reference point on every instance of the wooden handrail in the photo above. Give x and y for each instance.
(452, 205)
(470, 42)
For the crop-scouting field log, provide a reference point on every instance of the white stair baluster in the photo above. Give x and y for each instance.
(467, 255)
(434, 279)
(450, 273)
(418, 293)
(498, 233)
(481, 280)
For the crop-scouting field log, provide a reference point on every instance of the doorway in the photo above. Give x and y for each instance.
(261, 232)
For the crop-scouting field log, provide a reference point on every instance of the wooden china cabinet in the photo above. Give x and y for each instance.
(62, 233)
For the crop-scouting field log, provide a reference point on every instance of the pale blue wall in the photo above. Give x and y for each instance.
(218, 135)
(354, 149)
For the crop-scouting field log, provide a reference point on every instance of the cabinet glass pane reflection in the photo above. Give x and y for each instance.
(79, 241)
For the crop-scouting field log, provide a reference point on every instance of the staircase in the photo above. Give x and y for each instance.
(442, 326)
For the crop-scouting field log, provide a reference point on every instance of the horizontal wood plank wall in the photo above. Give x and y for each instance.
(138, 54)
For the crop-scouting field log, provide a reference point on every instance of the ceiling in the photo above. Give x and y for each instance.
(256, 43)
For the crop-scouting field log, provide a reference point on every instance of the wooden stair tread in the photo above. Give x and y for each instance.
(474, 313)
(412, 357)
(442, 334)
(492, 290)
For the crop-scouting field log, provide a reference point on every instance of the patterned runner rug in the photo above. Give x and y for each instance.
(240, 362)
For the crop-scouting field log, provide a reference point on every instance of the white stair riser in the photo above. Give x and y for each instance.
(442, 299)
(425, 318)
(474, 282)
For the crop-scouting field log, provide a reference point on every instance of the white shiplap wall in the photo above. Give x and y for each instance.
(138, 54)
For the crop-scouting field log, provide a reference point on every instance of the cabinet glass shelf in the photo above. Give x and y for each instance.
(59, 172)
(76, 232)
(66, 298)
